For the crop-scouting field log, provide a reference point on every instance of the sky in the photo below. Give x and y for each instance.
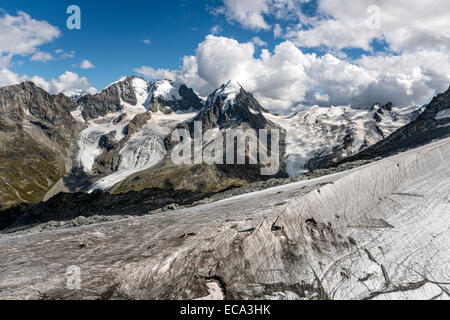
(289, 53)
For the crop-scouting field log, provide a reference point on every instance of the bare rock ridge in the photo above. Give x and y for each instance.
(108, 101)
(376, 232)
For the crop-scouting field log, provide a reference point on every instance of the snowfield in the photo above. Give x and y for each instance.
(381, 231)
(315, 131)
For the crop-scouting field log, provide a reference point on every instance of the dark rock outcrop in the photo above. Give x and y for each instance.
(109, 100)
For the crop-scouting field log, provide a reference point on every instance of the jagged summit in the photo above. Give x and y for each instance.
(226, 93)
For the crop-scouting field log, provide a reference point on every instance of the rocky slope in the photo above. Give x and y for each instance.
(37, 135)
(377, 232)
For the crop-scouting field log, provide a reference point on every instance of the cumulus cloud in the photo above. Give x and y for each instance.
(22, 35)
(41, 56)
(216, 29)
(66, 83)
(404, 25)
(86, 64)
(147, 41)
(248, 13)
(288, 79)
(258, 42)
(152, 73)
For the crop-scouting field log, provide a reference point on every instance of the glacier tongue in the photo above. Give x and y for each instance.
(145, 149)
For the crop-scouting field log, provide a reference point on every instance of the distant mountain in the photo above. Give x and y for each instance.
(319, 137)
(126, 126)
(119, 139)
(433, 123)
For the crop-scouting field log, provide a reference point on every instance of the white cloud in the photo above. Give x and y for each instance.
(7, 77)
(258, 42)
(67, 83)
(216, 29)
(86, 64)
(277, 31)
(287, 78)
(404, 25)
(249, 13)
(252, 14)
(147, 41)
(151, 73)
(41, 56)
(22, 35)
(65, 55)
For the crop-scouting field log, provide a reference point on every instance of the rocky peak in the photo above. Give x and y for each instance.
(167, 96)
(432, 123)
(26, 100)
(108, 100)
(229, 106)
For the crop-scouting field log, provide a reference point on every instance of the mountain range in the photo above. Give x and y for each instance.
(118, 140)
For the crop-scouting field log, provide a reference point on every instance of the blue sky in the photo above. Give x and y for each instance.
(289, 53)
(112, 33)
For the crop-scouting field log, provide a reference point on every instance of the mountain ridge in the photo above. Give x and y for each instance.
(112, 139)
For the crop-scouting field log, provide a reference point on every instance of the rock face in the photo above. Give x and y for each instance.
(377, 232)
(168, 97)
(37, 138)
(109, 100)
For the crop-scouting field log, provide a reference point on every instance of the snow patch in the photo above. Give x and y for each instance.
(444, 114)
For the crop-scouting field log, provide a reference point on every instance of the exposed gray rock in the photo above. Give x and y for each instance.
(109, 100)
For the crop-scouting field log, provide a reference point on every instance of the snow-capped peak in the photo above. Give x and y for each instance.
(165, 90)
(227, 93)
(76, 94)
